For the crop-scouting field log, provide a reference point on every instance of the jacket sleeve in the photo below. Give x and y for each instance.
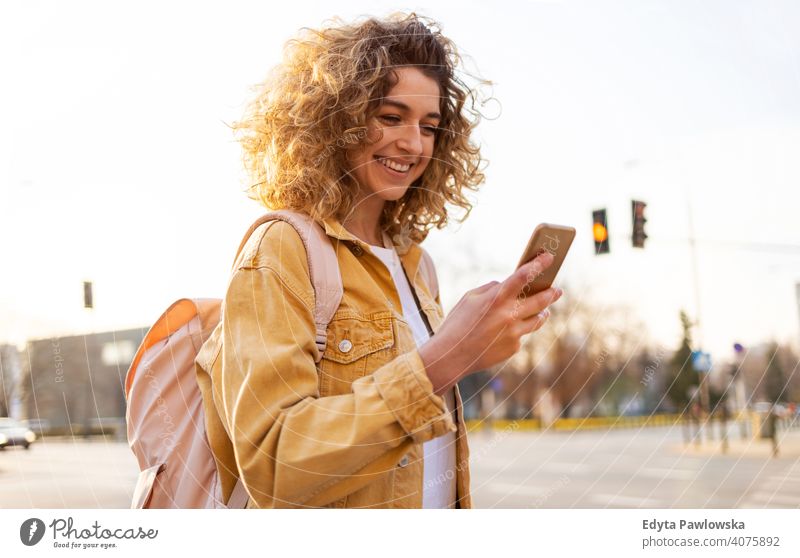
(293, 447)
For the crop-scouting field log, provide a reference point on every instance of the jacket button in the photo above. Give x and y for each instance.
(404, 461)
(357, 250)
(345, 345)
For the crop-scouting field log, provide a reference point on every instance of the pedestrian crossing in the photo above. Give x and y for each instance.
(776, 490)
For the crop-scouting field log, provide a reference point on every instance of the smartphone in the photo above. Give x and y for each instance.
(555, 239)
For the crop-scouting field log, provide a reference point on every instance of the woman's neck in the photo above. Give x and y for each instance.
(369, 233)
(365, 221)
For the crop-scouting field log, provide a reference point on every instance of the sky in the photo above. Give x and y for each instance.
(116, 164)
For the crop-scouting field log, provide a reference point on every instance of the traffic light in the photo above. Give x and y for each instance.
(639, 235)
(87, 294)
(600, 231)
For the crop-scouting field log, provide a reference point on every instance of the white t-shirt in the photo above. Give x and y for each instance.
(439, 466)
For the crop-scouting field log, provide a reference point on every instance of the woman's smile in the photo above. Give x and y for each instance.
(393, 168)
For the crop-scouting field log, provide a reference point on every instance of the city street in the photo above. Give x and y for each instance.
(60, 473)
(626, 468)
(630, 468)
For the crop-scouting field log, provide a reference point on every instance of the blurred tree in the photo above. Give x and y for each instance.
(790, 361)
(682, 375)
(585, 360)
(775, 384)
(756, 371)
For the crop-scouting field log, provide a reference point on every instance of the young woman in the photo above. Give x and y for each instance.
(362, 127)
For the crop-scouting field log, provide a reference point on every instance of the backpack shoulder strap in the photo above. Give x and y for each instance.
(322, 265)
(326, 279)
(429, 272)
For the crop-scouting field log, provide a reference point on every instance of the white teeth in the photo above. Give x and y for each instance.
(394, 166)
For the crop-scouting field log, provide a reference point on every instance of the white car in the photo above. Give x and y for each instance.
(14, 433)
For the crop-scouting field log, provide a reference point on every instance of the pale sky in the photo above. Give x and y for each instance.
(116, 165)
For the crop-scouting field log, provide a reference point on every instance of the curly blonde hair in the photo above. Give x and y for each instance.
(315, 106)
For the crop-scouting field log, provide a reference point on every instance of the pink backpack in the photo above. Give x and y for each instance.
(165, 417)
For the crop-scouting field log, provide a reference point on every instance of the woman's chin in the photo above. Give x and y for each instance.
(392, 193)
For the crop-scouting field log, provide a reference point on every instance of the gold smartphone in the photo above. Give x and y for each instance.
(555, 239)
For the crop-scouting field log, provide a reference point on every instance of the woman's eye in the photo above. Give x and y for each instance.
(392, 119)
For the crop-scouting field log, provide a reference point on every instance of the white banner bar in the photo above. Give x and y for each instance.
(389, 533)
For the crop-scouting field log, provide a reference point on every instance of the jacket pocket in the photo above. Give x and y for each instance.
(356, 345)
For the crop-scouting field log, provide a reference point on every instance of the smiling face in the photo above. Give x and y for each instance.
(408, 117)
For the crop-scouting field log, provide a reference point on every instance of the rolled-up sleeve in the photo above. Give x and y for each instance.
(293, 447)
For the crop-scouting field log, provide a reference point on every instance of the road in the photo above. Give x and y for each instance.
(60, 473)
(632, 468)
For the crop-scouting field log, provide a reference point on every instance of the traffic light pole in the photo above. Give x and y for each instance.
(695, 275)
(705, 399)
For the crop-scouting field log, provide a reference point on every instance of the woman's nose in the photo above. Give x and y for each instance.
(411, 139)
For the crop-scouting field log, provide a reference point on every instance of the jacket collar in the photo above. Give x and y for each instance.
(335, 229)
(410, 254)
(410, 258)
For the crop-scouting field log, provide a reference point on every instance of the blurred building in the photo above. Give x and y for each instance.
(75, 385)
(9, 379)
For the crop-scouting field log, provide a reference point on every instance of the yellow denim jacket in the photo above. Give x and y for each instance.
(344, 433)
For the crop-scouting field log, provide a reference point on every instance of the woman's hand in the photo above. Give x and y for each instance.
(486, 325)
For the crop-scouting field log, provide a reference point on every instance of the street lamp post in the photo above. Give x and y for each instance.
(741, 403)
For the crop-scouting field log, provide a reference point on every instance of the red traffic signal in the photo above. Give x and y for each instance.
(638, 235)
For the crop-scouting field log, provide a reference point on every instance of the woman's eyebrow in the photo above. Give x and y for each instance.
(405, 107)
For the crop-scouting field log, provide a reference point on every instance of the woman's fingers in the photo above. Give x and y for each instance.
(527, 306)
(513, 286)
(535, 322)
